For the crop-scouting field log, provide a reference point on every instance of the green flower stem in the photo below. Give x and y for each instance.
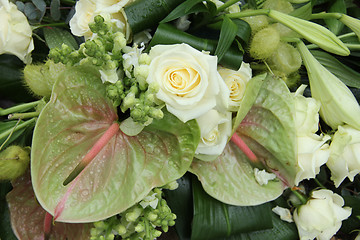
(18, 108)
(248, 13)
(50, 25)
(324, 15)
(319, 183)
(348, 45)
(226, 5)
(346, 35)
(300, 196)
(20, 126)
(23, 115)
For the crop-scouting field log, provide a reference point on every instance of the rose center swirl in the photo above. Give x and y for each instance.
(182, 80)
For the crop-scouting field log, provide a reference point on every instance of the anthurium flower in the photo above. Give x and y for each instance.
(344, 158)
(321, 217)
(15, 32)
(188, 81)
(236, 81)
(312, 152)
(338, 104)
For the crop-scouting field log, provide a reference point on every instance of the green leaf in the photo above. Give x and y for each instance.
(180, 202)
(252, 90)
(144, 14)
(6, 232)
(335, 25)
(55, 37)
(346, 74)
(215, 220)
(167, 34)
(303, 12)
(244, 30)
(185, 8)
(126, 168)
(269, 131)
(9, 127)
(27, 216)
(55, 10)
(227, 35)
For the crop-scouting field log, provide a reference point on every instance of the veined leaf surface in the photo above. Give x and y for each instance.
(269, 131)
(122, 173)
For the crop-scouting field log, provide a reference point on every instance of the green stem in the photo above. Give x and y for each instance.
(18, 108)
(50, 25)
(226, 5)
(20, 126)
(23, 115)
(352, 34)
(300, 196)
(348, 45)
(249, 13)
(324, 15)
(319, 183)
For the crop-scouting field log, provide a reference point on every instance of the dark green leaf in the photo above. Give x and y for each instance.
(244, 30)
(31, 11)
(180, 201)
(40, 4)
(353, 222)
(144, 14)
(9, 126)
(227, 35)
(6, 232)
(347, 75)
(335, 25)
(55, 37)
(215, 220)
(181, 10)
(55, 10)
(303, 12)
(167, 34)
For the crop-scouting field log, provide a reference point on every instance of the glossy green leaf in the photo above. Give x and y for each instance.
(187, 7)
(55, 37)
(122, 173)
(303, 12)
(268, 129)
(346, 74)
(27, 216)
(167, 34)
(335, 25)
(216, 220)
(227, 35)
(9, 133)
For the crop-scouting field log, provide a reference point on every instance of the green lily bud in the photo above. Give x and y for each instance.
(312, 32)
(338, 104)
(352, 23)
(14, 161)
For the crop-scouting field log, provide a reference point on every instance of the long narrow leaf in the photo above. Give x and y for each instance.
(227, 35)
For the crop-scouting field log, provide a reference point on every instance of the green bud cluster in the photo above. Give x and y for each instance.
(141, 221)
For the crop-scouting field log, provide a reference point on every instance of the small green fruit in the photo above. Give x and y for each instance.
(256, 22)
(14, 161)
(264, 43)
(286, 59)
(279, 5)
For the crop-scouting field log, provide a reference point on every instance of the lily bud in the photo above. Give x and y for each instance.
(352, 23)
(312, 32)
(338, 104)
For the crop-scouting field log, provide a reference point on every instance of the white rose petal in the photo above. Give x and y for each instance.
(284, 214)
(262, 177)
(344, 158)
(15, 32)
(321, 216)
(236, 82)
(215, 129)
(188, 79)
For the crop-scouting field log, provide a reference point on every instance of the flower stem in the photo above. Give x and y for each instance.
(18, 108)
(20, 126)
(300, 196)
(50, 25)
(243, 147)
(226, 5)
(23, 115)
(324, 15)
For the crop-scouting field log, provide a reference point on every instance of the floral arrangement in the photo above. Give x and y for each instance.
(179, 119)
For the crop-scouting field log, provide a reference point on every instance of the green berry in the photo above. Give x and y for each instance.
(264, 43)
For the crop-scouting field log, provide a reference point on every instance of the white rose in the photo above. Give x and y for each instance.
(312, 152)
(236, 81)
(86, 10)
(188, 80)
(15, 32)
(215, 130)
(344, 158)
(321, 216)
